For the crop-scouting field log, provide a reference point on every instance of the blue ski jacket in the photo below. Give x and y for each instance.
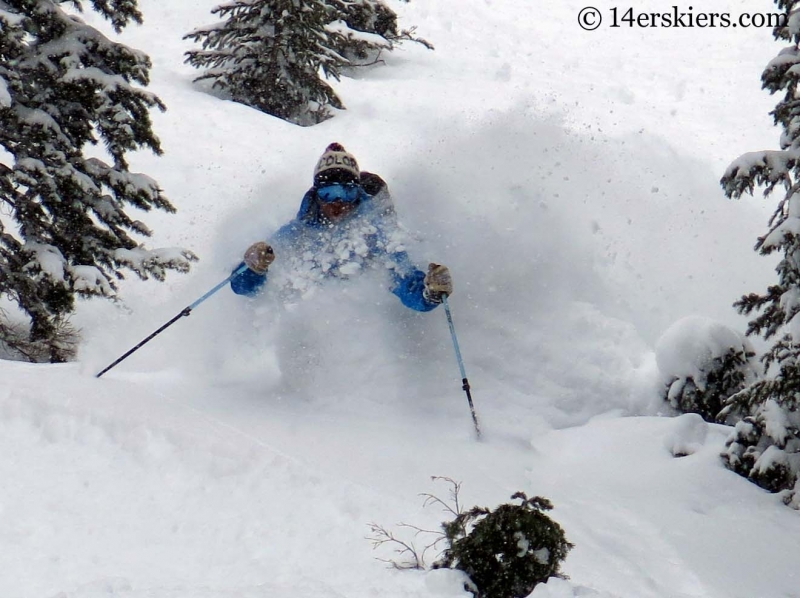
(310, 249)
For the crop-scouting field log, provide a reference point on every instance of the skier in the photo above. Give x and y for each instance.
(346, 224)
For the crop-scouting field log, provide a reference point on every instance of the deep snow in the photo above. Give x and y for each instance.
(569, 180)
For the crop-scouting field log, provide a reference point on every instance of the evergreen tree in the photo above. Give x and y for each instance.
(63, 226)
(765, 446)
(268, 54)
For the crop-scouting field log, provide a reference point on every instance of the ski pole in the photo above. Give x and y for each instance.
(186, 311)
(464, 381)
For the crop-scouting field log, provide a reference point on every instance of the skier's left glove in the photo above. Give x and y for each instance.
(438, 283)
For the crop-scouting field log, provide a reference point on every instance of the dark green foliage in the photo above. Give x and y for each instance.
(766, 446)
(749, 446)
(64, 86)
(507, 551)
(275, 55)
(119, 12)
(783, 386)
(16, 343)
(723, 377)
(365, 16)
(268, 53)
(370, 17)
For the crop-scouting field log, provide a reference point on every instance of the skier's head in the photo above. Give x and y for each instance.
(336, 166)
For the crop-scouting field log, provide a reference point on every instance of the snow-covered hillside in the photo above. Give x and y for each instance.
(569, 179)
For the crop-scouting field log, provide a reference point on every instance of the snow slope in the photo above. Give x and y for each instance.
(569, 179)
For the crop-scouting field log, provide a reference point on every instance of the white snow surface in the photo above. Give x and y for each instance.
(569, 179)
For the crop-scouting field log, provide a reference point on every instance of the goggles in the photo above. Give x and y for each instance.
(343, 192)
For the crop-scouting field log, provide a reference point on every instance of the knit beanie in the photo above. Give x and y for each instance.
(336, 166)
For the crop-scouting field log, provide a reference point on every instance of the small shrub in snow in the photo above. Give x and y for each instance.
(703, 364)
(507, 551)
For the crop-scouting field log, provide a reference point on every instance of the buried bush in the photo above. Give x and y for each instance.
(508, 551)
(703, 363)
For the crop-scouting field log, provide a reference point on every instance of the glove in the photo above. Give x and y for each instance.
(372, 184)
(258, 257)
(438, 282)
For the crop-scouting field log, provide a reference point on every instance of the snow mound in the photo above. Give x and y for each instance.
(688, 435)
(690, 345)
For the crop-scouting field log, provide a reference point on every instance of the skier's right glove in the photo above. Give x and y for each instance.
(258, 257)
(372, 184)
(438, 283)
